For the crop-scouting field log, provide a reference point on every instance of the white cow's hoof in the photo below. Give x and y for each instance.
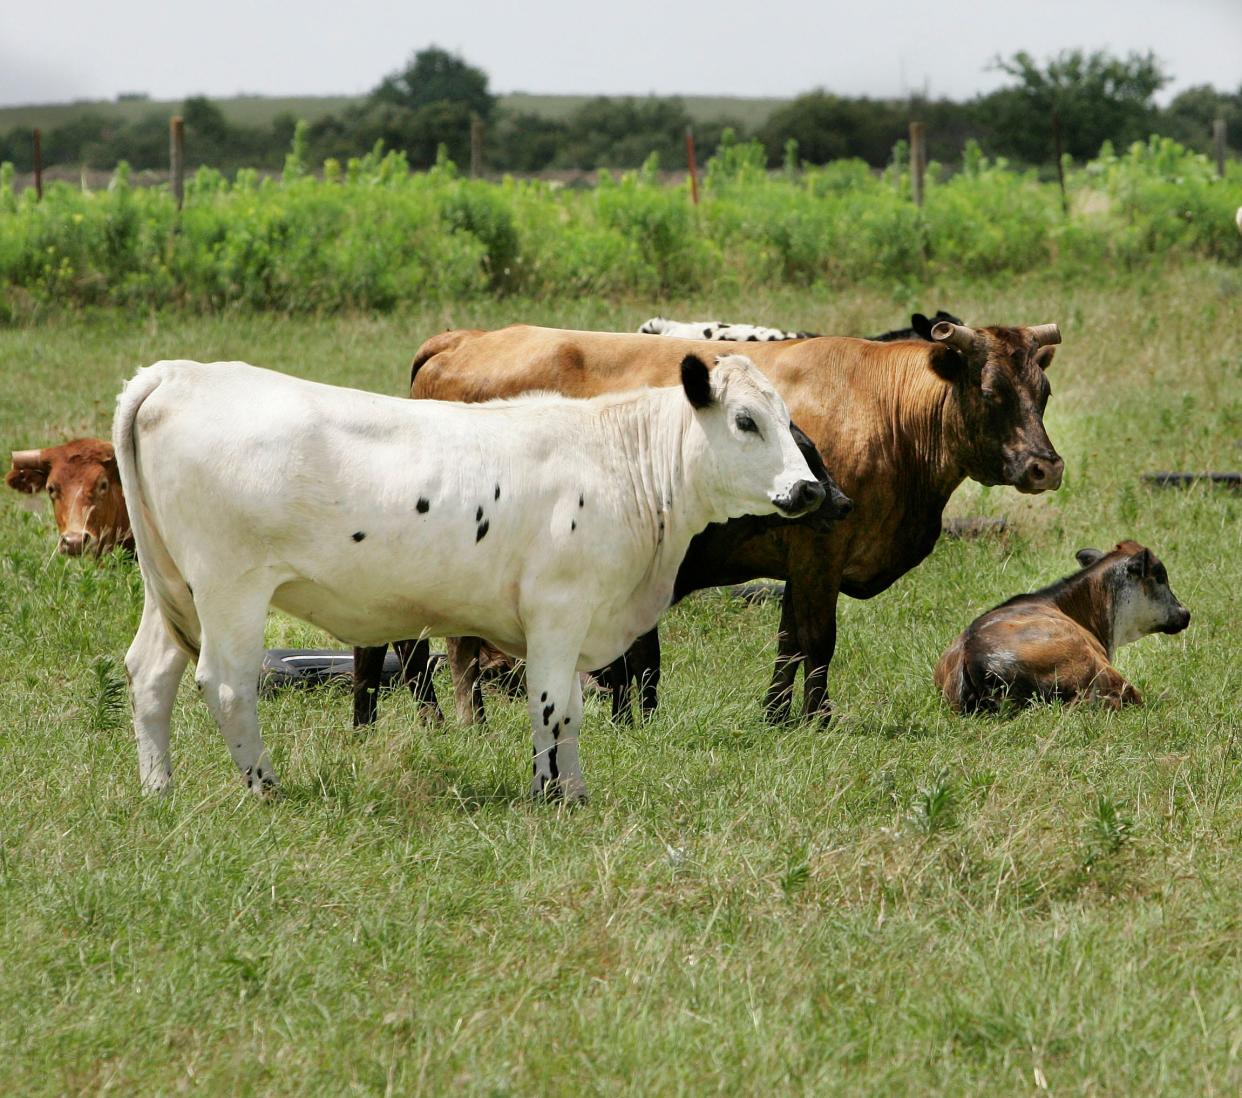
(157, 784)
(261, 781)
(565, 791)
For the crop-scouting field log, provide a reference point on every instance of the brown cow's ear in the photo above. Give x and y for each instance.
(1087, 557)
(29, 479)
(946, 362)
(696, 382)
(1043, 357)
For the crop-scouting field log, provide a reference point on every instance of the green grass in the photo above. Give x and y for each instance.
(904, 903)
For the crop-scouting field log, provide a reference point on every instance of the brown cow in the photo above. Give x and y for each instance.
(899, 425)
(82, 480)
(1058, 642)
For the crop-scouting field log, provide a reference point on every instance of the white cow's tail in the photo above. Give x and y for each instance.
(163, 579)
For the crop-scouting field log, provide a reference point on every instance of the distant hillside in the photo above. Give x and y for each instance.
(248, 110)
(259, 110)
(752, 113)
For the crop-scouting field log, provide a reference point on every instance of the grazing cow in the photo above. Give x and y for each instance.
(81, 479)
(717, 330)
(899, 425)
(554, 527)
(1058, 642)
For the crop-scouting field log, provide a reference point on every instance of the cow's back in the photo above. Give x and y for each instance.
(473, 365)
(468, 364)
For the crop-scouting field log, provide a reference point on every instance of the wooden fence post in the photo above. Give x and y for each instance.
(176, 157)
(476, 146)
(693, 165)
(1218, 139)
(918, 160)
(38, 163)
(1056, 140)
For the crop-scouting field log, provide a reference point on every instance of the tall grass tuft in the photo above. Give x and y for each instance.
(105, 705)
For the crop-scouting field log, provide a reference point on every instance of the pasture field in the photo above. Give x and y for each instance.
(903, 903)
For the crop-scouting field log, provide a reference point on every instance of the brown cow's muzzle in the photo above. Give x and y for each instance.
(75, 544)
(1040, 472)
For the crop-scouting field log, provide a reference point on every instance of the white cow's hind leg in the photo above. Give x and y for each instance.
(554, 699)
(154, 665)
(228, 676)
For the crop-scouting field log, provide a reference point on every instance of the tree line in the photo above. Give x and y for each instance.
(432, 101)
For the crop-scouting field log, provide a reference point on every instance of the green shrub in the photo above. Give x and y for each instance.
(374, 235)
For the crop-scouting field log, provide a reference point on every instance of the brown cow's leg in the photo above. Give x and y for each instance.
(776, 705)
(463, 656)
(415, 657)
(616, 679)
(368, 665)
(815, 617)
(1112, 689)
(647, 672)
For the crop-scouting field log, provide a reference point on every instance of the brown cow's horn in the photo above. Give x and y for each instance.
(27, 459)
(1045, 334)
(955, 335)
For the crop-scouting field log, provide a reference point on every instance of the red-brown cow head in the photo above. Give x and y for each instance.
(1002, 390)
(82, 480)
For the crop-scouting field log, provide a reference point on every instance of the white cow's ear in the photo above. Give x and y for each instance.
(696, 381)
(1087, 557)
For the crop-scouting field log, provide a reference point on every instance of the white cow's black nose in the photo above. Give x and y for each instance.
(803, 498)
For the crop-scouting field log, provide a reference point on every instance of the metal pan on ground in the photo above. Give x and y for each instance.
(309, 667)
(1188, 480)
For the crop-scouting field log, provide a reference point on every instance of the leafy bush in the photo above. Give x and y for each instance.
(374, 235)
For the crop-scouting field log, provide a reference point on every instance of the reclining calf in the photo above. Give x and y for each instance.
(553, 527)
(1058, 642)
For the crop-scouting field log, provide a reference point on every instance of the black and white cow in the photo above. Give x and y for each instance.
(920, 328)
(717, 329)
(554, 527)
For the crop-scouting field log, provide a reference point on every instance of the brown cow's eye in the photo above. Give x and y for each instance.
(101, 486)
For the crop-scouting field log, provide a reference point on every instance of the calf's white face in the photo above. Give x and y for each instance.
(1144, 602)
(755, 464)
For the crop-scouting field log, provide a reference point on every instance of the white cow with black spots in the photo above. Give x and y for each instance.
(553, 527)
(717, 329)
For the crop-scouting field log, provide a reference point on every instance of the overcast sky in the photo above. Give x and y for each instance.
(93, 49)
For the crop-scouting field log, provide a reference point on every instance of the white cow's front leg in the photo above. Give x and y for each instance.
(154, 665)
(554, 699)
(228, 677)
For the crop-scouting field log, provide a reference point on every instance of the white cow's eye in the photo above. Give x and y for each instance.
(745, 423)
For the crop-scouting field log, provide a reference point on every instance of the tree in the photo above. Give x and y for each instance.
(1189, 118)
(1097, 96)
(435, 76)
